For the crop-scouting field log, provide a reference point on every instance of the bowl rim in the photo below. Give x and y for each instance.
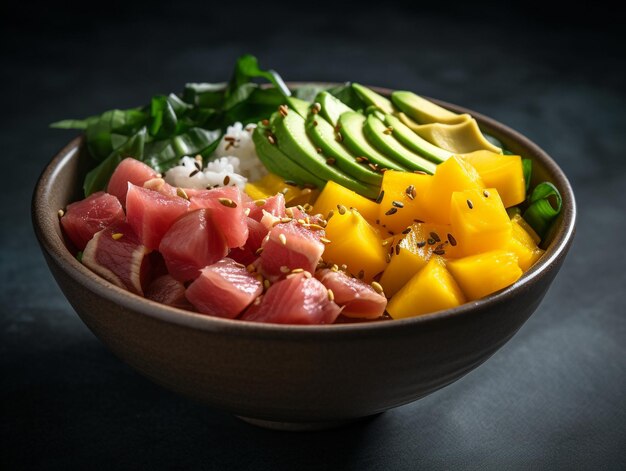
(44, 219)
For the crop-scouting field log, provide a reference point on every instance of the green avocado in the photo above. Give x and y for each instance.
(380, 136)
(414, 142)
(323, 135)
(290, 131)
(299, 106)
(351, 131)
(422, 110)
(331, 107)
(370, 97)
(277, 162)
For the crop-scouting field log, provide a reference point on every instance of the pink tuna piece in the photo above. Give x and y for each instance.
(227, 211)
(358, 299)
(167, 290)
(247, 253)
(117, 254)
(291, 245)
(298, 299)
(274, 205)
(151, 213)
(224, 289)
(191, 243)
(84, 218)
(128, 171)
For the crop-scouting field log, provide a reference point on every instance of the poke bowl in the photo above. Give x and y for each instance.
(297, 377)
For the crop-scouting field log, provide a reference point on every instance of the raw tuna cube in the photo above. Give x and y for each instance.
(117, 254)
(224, 289)
(151, 213)
(129, 171)
(291, 245)
(247, 253)
(167, 290)
(358, 298)
(274, 205)
(192, 243)
(227, 211)
(298, 299)
(84, 218)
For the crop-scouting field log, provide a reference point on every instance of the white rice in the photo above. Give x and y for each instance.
(235, 158)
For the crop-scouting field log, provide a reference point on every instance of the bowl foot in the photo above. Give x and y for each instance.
(303, 426)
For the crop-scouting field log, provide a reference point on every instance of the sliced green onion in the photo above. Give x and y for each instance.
(527, 168)
(544, 205)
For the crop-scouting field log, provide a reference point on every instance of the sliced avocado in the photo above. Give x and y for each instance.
(299, 106)
(423, 110)
(380, 136)
(277, 162)
(351, 131)
(290, 131)
(370, 97)
(331, 107)
(414, 142)
(323, 135)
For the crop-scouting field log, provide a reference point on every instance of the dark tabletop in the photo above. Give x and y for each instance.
(554, 397)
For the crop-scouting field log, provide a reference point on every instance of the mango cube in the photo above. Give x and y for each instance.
(271, 184)
(523, 244)
(354, 242)
(485, 273)
(431, 289)
(408, 189)
(479, 221)
(452, 175)
(502, 172)
(334, 194)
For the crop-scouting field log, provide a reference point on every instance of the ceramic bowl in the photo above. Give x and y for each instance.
(297, 377)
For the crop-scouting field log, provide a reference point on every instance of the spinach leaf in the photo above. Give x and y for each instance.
(163, 154)
(247, 68)
(346, 93)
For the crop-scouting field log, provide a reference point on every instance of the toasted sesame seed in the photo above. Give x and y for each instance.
(418, 221)
(246, 212)
(250, 268)
(315, 227)
(452, 240)
(410, 192)
(406, 231)
(470, 205)
(307, 274)
(361, 159)
(330, 161)
(324, 240)
(283, 239)
(227, 202)
(194, 173)
(391, 233)
(182, 193)
(259, 251)
(266, 284)
(60, 213)
(289, 212)
(435, 236)
(485, 193)
(229, 139)
(226, 180)
(271, 139)
(260, 202)
(420, 244)
(339, 137)
(381, 195)
(391, 211)
(431, 241)
(377, 221)
(388, 258)
(316, 108)
(374, 167)
(318, 150)
(297, 270)
(331, 295)
(439, 252)
(265, 122)
(309, 185)
(341, 208)
(117, 236)
(305, 191)
(385, 243)
(315, 123)
(361, 275)
(398, 204)
(397, 250)
(344, 267)
(420, 172)
(377, 287)
(257, 301)
(284, 269)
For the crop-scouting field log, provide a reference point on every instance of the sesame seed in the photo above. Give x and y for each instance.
(260, 202)
(431, 241)
(246, 212)
(307, 274)
(435, 236)
(258, 251)
(361, 159)
(420, 244)
(377, 287)
(324, 240)
(330, 161)
(391, 211)
(316, 108)
(289, 212)
(257, 301)
(297, 270)
(361, 275)
(60, 213)
(420, 172)
(117, 236)
(226, 180)
(318, 150)
(284, 269)
(182, 193)
(315, 123)
(194, 173)
(406, 231)
(397, 250)
(265, 122)
(388, 258)
(485, 193)
(339, 137)
(381, 195)
(374, 167)
(271, 139)
(227, 202)
(331, 295)
(341, 208)
(418, 221)
(452, 240)
(250, 268)
(410, 192)
(266, 284)
(397, 204)
(470, 205)
(344, 267)
(334, 267)
(385, 243)
(305, 191)
(377, 221)
(283, 239)
(439, 252)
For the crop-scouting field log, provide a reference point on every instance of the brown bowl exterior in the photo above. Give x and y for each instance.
(296, 374)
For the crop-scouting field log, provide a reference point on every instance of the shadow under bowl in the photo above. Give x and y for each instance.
(297, 377)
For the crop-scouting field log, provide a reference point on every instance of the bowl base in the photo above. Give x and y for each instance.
(303, 426)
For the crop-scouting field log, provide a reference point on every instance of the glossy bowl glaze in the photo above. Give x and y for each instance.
(297, 377)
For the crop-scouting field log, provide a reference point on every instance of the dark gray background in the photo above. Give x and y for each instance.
(553, 398)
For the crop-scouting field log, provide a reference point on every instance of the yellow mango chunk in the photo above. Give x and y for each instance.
(523, 244)
(529, 230)
(410, 190)
(271, 184)
(354, 242)
(334, 194)
(461, 138)
(479, 221)
(502, 172)
(452, 175)
(431, 289)
(486, 273)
